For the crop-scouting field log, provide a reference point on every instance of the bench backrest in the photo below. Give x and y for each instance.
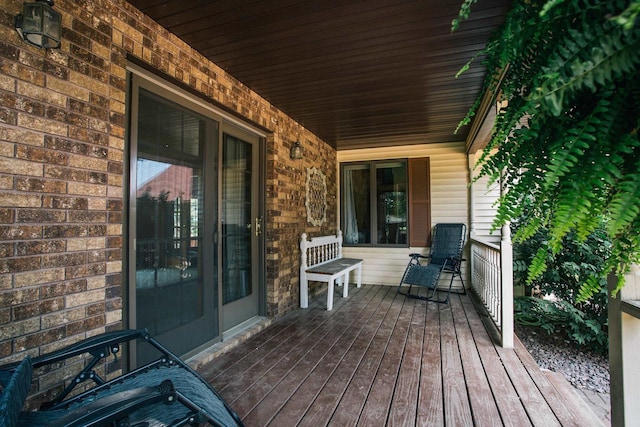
(320, 250)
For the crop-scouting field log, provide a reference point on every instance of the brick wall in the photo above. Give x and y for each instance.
(62, 148)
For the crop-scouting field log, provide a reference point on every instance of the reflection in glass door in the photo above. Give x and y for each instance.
(241, 228)
(175, 273)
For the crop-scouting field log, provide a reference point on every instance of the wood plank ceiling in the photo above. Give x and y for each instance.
(357, 73)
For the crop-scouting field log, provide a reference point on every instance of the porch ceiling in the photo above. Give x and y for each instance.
(357, 73)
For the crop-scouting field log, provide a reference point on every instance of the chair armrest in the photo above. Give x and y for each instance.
(99, 346)
(416, 256)
(115, 407)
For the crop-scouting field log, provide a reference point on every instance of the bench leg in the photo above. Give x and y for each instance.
(345, 289)
(330, 284)
(359, 275)
(304, 293)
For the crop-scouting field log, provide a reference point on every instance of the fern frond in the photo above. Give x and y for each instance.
(569, 211)
(538, 265)
(549, 5)
(624, 208)
(566, 148)
(567, 157)
(589, 288)
(587, 60)
(627, 19)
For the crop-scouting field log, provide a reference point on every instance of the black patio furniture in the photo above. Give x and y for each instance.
(445, 256)
(164, 392)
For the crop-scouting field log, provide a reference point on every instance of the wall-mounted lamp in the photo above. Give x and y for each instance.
(39, 24)
(296, 151)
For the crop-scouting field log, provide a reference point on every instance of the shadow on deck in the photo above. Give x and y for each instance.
(381, 359)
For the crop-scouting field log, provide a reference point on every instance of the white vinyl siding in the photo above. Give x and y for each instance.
(449, 203)
(484, 209)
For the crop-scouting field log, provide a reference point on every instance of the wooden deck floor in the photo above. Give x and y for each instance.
(380, 359)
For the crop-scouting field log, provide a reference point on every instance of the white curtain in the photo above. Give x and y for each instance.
(351, 222)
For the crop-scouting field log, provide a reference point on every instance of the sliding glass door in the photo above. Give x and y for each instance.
(194, 222)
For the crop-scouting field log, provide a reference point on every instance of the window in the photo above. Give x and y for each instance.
(386, 203)
(375, 203)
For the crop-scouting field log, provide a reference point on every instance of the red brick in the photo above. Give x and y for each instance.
(41, 185)
(7, 216)
(65, 288)
(63, 260)
(86, 270)
(38, 308)
(40, 247)
(20, 232)
(59, 202)
(40, 216)
(40, 338)
(57, 231)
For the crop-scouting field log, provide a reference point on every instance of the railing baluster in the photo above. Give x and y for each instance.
(487, 277)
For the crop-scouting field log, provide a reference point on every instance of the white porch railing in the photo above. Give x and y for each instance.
(492, 281)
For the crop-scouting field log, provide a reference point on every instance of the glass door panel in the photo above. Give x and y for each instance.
(175, 272)
(169, 245)
(239, 234)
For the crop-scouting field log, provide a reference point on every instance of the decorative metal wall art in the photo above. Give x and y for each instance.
(316, 201)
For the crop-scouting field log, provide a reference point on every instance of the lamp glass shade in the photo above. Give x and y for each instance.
(39, 25)
(296, 151)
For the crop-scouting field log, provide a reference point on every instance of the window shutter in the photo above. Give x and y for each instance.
(419, 202)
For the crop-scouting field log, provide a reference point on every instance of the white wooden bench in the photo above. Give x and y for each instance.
(321, 260)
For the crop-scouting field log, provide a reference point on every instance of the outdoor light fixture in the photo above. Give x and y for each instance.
(39, 24)
(296, 151)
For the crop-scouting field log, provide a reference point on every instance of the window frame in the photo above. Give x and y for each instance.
(417, 194)
(373, 192)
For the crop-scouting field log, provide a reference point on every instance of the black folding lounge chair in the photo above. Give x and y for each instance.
(166, 392)
(445, 256)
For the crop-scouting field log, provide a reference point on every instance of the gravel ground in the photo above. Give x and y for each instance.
(583, 369)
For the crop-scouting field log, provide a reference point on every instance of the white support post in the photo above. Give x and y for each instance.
(506, 299)
(624, 347)
(506, 282)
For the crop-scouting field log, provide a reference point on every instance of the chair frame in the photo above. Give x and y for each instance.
(99, 405)
(450, 264)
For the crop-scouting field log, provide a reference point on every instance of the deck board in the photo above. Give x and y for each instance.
(380, 359)
(457, 408)
(404, 407)
(430, 394)
(355, 396)
(318, 365)
(320, 410)
(485, 410)
(563, 406)
(506, 397)
(383, 388)
(296, 367)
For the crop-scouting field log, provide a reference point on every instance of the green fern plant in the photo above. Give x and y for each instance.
(567, 147)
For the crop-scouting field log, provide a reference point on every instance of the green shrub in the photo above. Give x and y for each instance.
(585, 322)
(558, 316)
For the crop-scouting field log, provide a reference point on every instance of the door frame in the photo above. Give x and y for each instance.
(168, 87)
(237, 305)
